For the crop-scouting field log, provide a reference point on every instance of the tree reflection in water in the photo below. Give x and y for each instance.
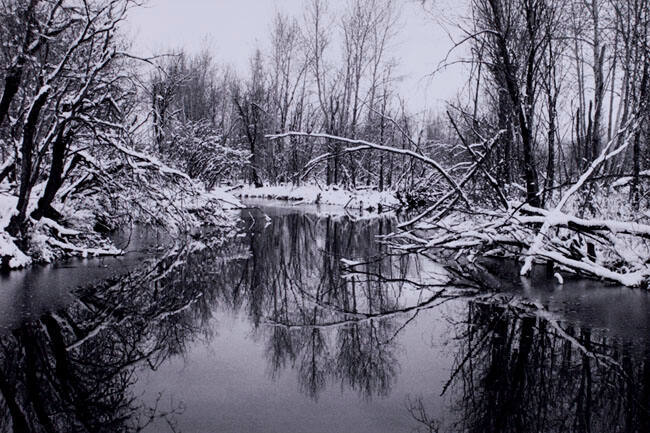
(332, 322)
(72, 370)
(521, 370)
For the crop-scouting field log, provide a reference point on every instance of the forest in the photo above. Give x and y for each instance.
(542, 156)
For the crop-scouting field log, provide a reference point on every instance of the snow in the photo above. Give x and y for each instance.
(623, 181)
(74, 235)
(59, 228)
(366, 199)
(559, 278)
(7, 207)
(217, 195)
(228, 200)
(85, 252)
(11, 253)
(348, 262)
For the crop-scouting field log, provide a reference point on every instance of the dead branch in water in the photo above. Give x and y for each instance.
(519, 229)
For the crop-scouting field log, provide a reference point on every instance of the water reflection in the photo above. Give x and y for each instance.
(333, 312)
(331, 320)
(519, 370)
(72, 370)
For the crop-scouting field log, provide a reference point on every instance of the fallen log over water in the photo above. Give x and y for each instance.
(599, 247)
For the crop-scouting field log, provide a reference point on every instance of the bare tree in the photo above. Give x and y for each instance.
(70, 93)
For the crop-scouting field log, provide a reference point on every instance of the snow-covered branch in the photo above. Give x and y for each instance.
(555, 216)
(366, 145)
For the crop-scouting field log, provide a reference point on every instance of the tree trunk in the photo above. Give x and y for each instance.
(636, 149)
(550, 166)
(16, 224)
(12, 83)
(525, 122)
(54, 180)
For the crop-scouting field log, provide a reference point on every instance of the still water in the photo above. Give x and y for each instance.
(303, 322)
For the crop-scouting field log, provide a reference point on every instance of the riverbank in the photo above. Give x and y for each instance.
(364, 199)
(77, 234)
(85, 227)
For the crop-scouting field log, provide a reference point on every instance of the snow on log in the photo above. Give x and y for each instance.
(555, 216)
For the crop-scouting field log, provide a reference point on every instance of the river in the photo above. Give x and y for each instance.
(302, 321)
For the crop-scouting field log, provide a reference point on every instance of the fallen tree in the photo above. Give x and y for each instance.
(454, 223)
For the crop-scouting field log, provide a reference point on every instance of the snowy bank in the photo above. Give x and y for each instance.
(366, 199)
(76, 233)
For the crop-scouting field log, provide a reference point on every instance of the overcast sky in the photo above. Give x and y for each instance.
(234, 28)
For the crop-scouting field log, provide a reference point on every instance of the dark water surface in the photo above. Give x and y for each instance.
(305, 323)
(27, 293)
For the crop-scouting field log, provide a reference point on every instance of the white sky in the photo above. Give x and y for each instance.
(234, 28)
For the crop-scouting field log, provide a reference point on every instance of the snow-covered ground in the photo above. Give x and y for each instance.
(75, 234)
(366, 199)
(14, 257)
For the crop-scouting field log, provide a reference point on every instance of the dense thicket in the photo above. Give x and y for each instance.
(329, 72)
(76, 157)
(560, 79)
